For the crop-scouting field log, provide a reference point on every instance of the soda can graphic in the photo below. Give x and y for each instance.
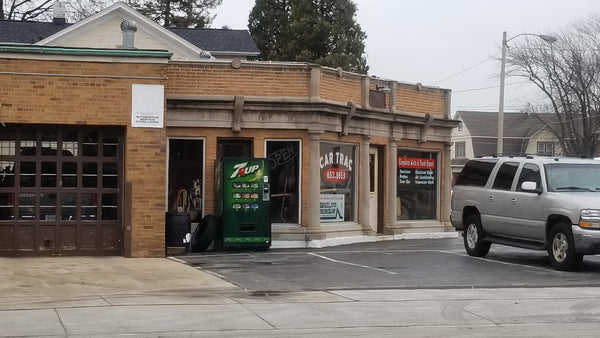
(254, 206)
(254, 195)
(245, 185)
(254, 185)
(246, 195)
(246, 206)
(237, 185)
(237, 206)
(237, 195)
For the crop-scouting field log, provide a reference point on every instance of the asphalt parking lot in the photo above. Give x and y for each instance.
(400, 264)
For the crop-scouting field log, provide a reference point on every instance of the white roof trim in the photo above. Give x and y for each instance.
(127, 13)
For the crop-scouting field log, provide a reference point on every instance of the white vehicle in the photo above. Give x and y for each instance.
(531, 202)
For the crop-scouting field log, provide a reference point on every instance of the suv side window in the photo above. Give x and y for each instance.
(531, 173)
(505, 175)
(475, 173)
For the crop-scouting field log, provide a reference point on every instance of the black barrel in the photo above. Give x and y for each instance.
(177, 225)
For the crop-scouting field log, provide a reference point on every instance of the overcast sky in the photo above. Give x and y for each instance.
(431, 41)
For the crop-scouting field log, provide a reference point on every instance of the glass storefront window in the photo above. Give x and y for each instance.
(284, 157)
(417, 185)
(338, 182)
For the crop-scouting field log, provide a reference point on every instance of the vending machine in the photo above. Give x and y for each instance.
(243, 203)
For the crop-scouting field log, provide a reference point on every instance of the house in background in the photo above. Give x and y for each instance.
(524, 134)
(102, 30)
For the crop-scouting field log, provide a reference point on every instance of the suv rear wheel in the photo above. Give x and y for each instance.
(562, 248)
(473, 237)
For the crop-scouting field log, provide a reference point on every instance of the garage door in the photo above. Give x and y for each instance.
(60, 190)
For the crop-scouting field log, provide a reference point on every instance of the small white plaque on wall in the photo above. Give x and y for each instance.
(147, 106)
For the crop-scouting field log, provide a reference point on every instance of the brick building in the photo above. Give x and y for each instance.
(67, 133)
(83, 174)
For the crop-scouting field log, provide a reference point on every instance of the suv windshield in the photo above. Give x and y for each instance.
(573, 177)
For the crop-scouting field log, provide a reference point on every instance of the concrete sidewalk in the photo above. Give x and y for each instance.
(114, 296)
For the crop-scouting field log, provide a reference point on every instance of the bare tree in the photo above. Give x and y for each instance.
(568, 73)
(41, 10)
(79, 10)
(23, 10)
(170, 13)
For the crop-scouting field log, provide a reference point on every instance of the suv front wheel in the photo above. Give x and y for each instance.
(473, 237)
(561, 248)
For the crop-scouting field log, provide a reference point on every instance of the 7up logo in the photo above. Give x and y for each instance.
(240, 170)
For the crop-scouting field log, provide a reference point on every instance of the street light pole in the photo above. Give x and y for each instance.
(500, 142)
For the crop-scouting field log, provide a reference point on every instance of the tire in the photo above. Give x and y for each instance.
(561, 248)
(473, 237)
(205, 234)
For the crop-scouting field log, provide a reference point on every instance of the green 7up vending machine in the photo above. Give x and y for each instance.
(243, 203)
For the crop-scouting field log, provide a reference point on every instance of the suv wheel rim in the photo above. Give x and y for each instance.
(472, 236)
(560, 247)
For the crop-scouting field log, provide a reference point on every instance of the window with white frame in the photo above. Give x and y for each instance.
(338, 182)
(460, 149)
(545, 149)
(284, 156)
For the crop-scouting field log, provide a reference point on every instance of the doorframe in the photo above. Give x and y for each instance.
(381, 187)
(167, 166)
(300, 173)
(380, 181)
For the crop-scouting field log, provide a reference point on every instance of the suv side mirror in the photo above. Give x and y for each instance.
(529, 186)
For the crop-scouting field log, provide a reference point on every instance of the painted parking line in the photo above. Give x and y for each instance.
(352, 264)
(450, 252)
(549, 269)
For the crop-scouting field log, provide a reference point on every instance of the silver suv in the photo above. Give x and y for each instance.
(531, 202)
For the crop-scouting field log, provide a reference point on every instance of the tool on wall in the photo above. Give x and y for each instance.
(182, 201)
(196, 194)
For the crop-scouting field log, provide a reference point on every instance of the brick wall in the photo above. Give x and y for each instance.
(292, 81)
(221, 79)
(90, 93)
(72, 98)
(341, 89)
(411, 99)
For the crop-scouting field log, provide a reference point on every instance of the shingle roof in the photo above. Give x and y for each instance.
(518, 127)
(212, 40)
(219, 40)
(28, 32)
(515, 124)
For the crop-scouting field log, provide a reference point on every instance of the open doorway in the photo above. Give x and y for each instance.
(186, 177)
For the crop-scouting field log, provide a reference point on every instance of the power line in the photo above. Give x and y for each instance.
(467, 69)
(484, 88)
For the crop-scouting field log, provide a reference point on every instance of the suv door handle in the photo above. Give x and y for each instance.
(491, 198)
(513, 201)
